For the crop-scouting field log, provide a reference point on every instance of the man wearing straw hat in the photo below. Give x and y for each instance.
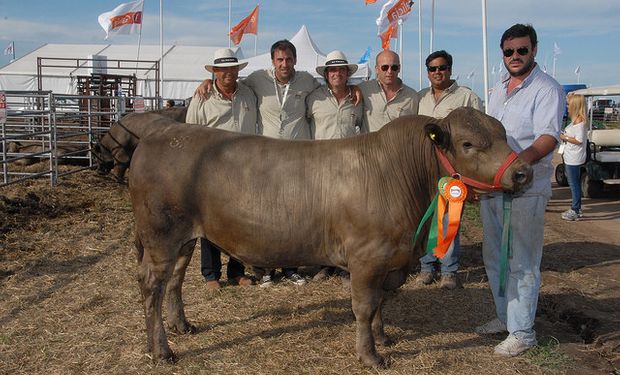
(386, 98)
(230, 106)
(331, 109)
(333, 114)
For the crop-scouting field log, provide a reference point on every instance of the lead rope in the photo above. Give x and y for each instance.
(506, 250)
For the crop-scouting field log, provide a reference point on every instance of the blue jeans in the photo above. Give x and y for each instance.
(573, 175)
(517, 308)
(450, 261)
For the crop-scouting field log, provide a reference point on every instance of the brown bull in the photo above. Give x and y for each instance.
(353, 203)
(115, 148)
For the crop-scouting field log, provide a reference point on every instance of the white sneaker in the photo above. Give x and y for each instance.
(512, 346)
(492, 327)
(265, 281)
(570, 215)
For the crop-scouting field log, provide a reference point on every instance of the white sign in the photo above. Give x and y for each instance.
(2, 108)
(138, 104)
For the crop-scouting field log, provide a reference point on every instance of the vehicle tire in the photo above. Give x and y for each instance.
(560, 175)
(590, 188)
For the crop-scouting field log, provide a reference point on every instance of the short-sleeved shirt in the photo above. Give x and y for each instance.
(575, 154)
(532, 109)
(330, 119)
(451, 98)
(238, 115)
(378, 111)
(282, 107)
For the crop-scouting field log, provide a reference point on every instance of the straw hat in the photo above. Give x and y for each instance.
(336, 58)
(223, 58)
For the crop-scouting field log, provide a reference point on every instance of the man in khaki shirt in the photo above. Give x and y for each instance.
(438, 101)
(386, 98)
(444, 94)
(331, 110)
(230, 106)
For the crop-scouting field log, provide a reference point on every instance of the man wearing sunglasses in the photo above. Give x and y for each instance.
(530, 105)
(438, 100)
(386, 98)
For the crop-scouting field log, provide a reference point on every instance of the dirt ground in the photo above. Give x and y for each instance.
(70, 302)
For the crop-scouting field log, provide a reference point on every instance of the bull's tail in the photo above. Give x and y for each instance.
(139, 248)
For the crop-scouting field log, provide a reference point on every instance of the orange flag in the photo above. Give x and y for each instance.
(388, 34)
(370, 1)
(249, 25)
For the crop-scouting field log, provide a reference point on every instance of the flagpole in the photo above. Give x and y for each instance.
(229, 20)
(420, 39)
(485, 55)
(432, 34)
(255, 42)
(400, 47)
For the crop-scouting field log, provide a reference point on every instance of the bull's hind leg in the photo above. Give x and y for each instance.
(366, 296)
(381, 338)
(176, 313)
(152, 277)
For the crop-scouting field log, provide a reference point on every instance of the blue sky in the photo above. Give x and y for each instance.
(588, 33)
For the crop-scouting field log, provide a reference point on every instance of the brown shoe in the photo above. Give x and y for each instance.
(424, 278)
(243, 281)
(449, 281)
(213, 284)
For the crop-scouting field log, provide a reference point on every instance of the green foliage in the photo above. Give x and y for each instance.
(547, 355)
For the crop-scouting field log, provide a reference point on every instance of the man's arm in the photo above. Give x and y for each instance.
(202, 92)
(541, 147)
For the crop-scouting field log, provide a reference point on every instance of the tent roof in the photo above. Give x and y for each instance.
(180, 62)
(308, 57)
(599, 91)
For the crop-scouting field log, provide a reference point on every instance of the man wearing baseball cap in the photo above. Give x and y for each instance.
(230, 106)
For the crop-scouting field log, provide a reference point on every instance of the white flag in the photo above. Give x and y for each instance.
(9, 49)
(124, 19)
(578, 69)
(391, 12)
(556, 49)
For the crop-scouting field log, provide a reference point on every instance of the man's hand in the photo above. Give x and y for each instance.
(356, 94)
(202, 92)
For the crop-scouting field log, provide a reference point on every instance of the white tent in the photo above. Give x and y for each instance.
(183, 67)
(309, 56)
(599, 91)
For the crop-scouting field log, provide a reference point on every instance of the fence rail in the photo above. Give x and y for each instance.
(44, 130)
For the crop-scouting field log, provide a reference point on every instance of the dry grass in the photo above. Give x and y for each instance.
(70, 304)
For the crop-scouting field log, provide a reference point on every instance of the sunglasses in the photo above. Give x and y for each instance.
(394, 67)
(442, 68)
(508, 52)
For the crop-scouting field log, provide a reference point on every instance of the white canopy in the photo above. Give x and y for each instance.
(599, 91)
(309, 56)
(183, 66)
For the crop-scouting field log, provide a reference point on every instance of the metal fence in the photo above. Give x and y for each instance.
(44, 130)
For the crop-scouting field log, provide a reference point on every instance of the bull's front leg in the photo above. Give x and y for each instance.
(176, 313)
(366, 296)
(152, 285)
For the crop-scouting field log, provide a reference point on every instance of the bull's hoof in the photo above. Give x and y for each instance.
(374, 361)
(183, 328)
(384, 341)
(166, 356)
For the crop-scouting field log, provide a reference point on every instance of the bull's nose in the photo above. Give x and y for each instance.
(519, 177)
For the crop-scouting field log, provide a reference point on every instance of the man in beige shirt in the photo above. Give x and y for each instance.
(230, 106)
(386, 98)
(331, 111)
(444, 94)
(438, 100)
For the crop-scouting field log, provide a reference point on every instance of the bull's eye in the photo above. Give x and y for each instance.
(467, 145)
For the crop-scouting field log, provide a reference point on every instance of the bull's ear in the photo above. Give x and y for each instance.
(437, 135)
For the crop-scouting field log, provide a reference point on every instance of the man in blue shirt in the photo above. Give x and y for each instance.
(530, 105)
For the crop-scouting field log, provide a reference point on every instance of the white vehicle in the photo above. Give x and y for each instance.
(602, 167)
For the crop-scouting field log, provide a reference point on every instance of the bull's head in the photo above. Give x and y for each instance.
(105, 159)
(474, 145)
